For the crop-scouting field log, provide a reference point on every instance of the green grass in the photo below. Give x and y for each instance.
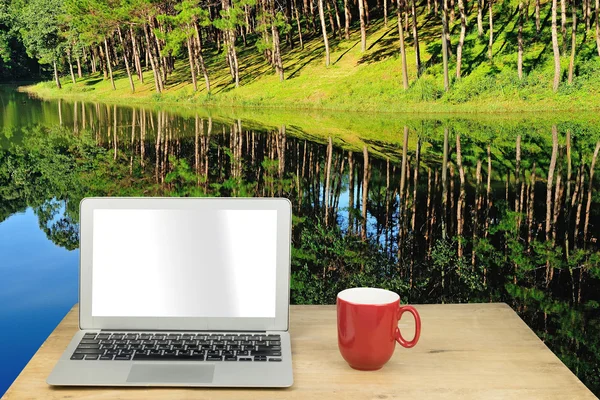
(372, 81)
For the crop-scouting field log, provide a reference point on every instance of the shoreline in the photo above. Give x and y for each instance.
(429, 109)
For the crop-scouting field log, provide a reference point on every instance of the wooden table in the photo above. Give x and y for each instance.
(466, 351)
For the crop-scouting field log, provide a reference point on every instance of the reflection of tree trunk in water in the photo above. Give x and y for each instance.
(569, 207)
(589, 198)
(350, 192)
(433, 211)
(461, 198)
(476, 211)
(365, 191)
(531, 209)
(387, 203)
(115, 130)
(157, 148)
(328, 178)
(197, 149)
(60, 120)
(83, 119)
(338, 192)
(428, 212)
(488, 201)
(206, 150)
(414, 207)
(549, 184)
(578, 197)
(444, 187)
(401, 215)
(451, 198)
(75, 108)
(517, 173)
(142, 136)
(557, 206)
(132, 140)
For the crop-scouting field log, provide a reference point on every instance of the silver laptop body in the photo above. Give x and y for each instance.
(182, 292)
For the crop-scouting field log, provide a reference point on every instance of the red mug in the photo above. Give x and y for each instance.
(367, 321)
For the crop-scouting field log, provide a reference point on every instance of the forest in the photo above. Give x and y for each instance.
(207, 45)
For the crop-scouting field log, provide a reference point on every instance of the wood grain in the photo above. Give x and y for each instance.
(466, 351)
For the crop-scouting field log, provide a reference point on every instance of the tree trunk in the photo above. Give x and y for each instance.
(573, 40)
(71, 67)
(299, 27)
(538, 25)
(201, 57)
(589, 197)
(108, 66)
(415, 36)
(277, 50)
(348, 18)
(587, 14)
(555, 49)
(520, 42)
(385, 13)
(126, 60)
(363, 29)
(192, 66)
(337, 18)
(480, 7)
(331, 23)
(324, 30)
(445, 43)
(491, 42)
(136, 55)
(461, 198)
(79, 73)
(150, 55)
(463, 32)
(402, 49)
(563, 24)
(597, 16)
(58, 85)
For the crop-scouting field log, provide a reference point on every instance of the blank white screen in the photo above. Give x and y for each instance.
(184, 263)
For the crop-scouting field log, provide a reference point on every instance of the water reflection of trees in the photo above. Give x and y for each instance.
(452, 216)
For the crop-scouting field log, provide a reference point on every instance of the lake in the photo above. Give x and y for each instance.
(440, 209)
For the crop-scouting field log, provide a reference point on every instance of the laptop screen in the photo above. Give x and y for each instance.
(184, 263)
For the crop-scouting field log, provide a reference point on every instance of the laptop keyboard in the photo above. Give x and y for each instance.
(179, 347)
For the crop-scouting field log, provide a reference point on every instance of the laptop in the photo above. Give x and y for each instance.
(182, 292)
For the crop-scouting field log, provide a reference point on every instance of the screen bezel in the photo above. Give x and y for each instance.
(284, 216)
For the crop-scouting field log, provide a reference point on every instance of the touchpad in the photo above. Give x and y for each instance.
(171, 373)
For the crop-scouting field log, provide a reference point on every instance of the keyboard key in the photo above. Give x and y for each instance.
(77, 356)
(88, 346)
(106, 357)
(260, 358)
(123, 357)
(214, 358)
(230, 358)
(273, 337)
(265, 353)
(88, 341)
(245, 359)
(88, 351)
(89, 335)
(103, 336)
(274, 359)
(91, 357)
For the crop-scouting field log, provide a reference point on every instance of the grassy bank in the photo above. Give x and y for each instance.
(372, 81)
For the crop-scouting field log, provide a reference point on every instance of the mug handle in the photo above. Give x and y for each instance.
(398, 335)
